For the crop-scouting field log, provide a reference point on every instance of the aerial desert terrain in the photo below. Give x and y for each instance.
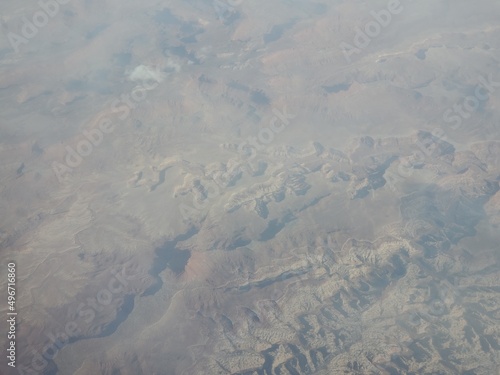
(231, 187)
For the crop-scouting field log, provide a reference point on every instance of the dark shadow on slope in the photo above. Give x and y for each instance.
(275, 226)
(168, 255)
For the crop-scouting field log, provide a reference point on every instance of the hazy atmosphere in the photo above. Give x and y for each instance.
(234, 187)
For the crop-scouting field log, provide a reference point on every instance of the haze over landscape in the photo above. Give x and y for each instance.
(222, 187)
